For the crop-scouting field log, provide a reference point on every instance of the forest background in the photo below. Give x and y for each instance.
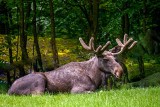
(43, 35)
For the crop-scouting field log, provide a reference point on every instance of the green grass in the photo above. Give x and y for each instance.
(139, 97)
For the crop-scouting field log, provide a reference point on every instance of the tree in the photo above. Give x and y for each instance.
(90, 10)
(8, 38)
(23, 39)
(53, 35)
(36, 44)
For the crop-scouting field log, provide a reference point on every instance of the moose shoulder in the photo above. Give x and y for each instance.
(84, 77)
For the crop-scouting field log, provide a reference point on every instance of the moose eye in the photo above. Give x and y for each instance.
(105, 60)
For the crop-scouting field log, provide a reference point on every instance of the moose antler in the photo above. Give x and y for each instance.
(90, 47)
(123, 46)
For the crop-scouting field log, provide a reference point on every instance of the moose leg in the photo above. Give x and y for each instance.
(85, 85)
(38, 87)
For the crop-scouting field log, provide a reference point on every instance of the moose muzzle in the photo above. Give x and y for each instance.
(118, 71)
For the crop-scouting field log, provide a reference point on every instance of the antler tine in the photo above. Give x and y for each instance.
(101, 49)
(105, 46)
(90, 47)
(124, 44)
(91, 43)
(133, 44)
(119, 42)
(84, 44)
(125, 38)
(98, 49)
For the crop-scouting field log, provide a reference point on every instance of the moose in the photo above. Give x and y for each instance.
(76, 77)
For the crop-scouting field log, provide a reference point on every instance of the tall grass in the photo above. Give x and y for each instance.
(139, 97)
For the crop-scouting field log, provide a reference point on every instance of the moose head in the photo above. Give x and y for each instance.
(106, 59)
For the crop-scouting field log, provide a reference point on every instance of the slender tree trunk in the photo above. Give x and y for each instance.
(125, 78)
(144, 16)
(125, 20)
(27, 16)
(53, 35)
(95, 16)
(141, 67)
(10, 57)
(123, 24)
(23, 38)
(122, 60)
(140, 57)
(92, 18)
(36, 44)
(8, 39)
(126, 29)
(17, 45)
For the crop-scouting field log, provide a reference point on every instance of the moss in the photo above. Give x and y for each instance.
(149, 69)
(149, 81)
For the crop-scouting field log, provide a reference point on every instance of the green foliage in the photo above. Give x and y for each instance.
(143, 97)
(3, 87)
(71, 21)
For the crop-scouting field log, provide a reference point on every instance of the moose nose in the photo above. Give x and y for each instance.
(118, 72)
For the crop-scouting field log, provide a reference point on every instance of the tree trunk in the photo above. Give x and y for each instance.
(8, 39)
(27, 17)
(36, 44)
(95, 16)
(144, 16)
(125, 20)
(53, 35)
(10, 58)
(92, 18)
(141, 67)
(23, 38)
(125, 71)
(125, 29)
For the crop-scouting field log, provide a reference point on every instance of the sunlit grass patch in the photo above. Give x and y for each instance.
(139, 97)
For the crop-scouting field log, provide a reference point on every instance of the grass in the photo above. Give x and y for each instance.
(139, 97)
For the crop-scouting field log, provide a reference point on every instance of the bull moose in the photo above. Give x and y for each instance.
(75, 77)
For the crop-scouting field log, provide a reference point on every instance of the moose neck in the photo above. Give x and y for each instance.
(93, 70)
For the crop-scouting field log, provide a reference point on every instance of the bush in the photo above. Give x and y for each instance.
(3, 87)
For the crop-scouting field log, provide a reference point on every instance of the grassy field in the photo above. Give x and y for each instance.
(139, 97)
